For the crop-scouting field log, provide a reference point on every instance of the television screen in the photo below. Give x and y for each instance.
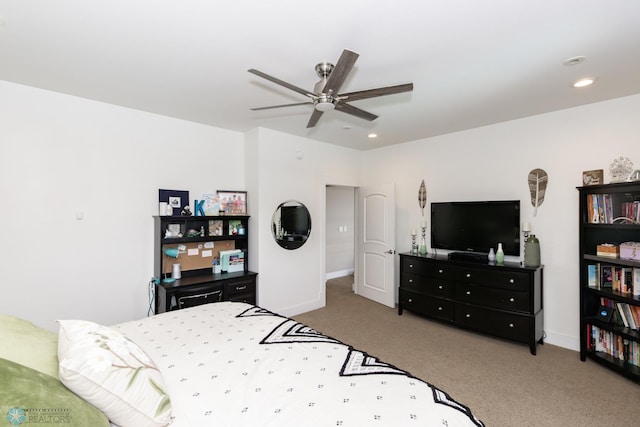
(295, 220)
(476, 226)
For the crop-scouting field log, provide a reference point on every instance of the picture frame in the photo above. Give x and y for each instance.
(177, 200)
(233, 202)
(216, 227)
(211, 204)
(593, 177)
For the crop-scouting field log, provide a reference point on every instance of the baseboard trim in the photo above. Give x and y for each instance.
(564, 341)
(340, 273)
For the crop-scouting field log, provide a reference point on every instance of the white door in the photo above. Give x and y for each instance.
(375, 244)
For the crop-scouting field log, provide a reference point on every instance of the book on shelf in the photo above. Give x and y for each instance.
(631, 212)
(629, 316)
(600, 210)
(593, 276)
(635, 313)
(616, 278)
(623, 316)
(622, 279)
(607, 342)
(606, 276)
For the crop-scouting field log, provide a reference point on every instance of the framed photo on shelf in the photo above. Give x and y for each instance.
(234, 227)
(176, 199)
(593, 177)
(215, 227)
(211, 204)
(233, 202)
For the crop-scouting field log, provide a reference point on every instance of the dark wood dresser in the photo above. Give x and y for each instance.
(500, 300)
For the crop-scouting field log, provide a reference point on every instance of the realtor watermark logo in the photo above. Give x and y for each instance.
(16, 416)
(30, 416)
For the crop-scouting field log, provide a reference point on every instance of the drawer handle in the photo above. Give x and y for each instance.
(468, 315)
(410, 280)
(511, 325)
(468, 275)
(410, 265)
(511, 281)
(439, 286)
(468, 292)
(511, 299)
(439, 308)
(440, 271)
(410, 299)
(241, 288)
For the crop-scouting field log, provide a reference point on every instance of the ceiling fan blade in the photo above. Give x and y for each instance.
(281, 82)
(372, 93)
(314, 118)
(280, 106)
(340, 71)
(354, 111)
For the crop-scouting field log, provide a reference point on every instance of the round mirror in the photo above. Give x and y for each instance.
(291, 224)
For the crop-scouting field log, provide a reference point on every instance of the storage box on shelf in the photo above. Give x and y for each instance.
(198, 241)
(501, 300)
(610, 279)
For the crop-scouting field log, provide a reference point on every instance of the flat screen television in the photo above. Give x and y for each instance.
(476, 226)
(295, 220)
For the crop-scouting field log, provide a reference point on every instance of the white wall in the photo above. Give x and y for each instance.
(340, 234)
(492, 163)
(292, 282)
(61, 155)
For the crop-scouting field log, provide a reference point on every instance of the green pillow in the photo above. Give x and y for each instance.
(27, 394)
(27, 344)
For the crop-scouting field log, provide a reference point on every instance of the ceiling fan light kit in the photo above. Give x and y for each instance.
(324, 106)
(326, 96)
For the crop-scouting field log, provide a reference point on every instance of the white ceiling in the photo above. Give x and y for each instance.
(472, 62)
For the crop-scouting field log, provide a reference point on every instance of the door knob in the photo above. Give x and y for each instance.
(390, 251)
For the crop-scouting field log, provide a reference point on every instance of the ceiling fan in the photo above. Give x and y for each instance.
(326, 96)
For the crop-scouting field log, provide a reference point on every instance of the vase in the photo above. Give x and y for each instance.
(532, 251)
(499, 254)
(423, 247)
(492, 255)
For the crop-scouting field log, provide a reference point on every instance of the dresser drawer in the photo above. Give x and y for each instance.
(494, 297)
(494, 278)
(426, 305)
(246, 298)
(237, 287)
(428, 285)
(190, 296)
(429, 269)
(505, 325)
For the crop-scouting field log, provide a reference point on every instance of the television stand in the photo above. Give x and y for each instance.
(500, 300)
(469, 256)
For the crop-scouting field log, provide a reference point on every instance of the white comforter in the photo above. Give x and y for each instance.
(233, 364)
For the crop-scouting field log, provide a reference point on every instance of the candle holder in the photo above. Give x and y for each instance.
(414, 246)
(423, 242)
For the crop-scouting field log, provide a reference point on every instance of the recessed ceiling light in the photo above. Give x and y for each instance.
(574, 61)
(584, 82)
(372, 135)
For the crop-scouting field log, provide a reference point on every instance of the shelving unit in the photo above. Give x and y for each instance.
(200, 240)
(605, 339)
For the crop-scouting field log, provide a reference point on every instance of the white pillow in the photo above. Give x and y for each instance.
(111, 372)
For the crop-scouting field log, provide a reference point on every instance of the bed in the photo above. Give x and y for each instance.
(235, 364)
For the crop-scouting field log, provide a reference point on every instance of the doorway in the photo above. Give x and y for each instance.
(340, 231)
(360, 239)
